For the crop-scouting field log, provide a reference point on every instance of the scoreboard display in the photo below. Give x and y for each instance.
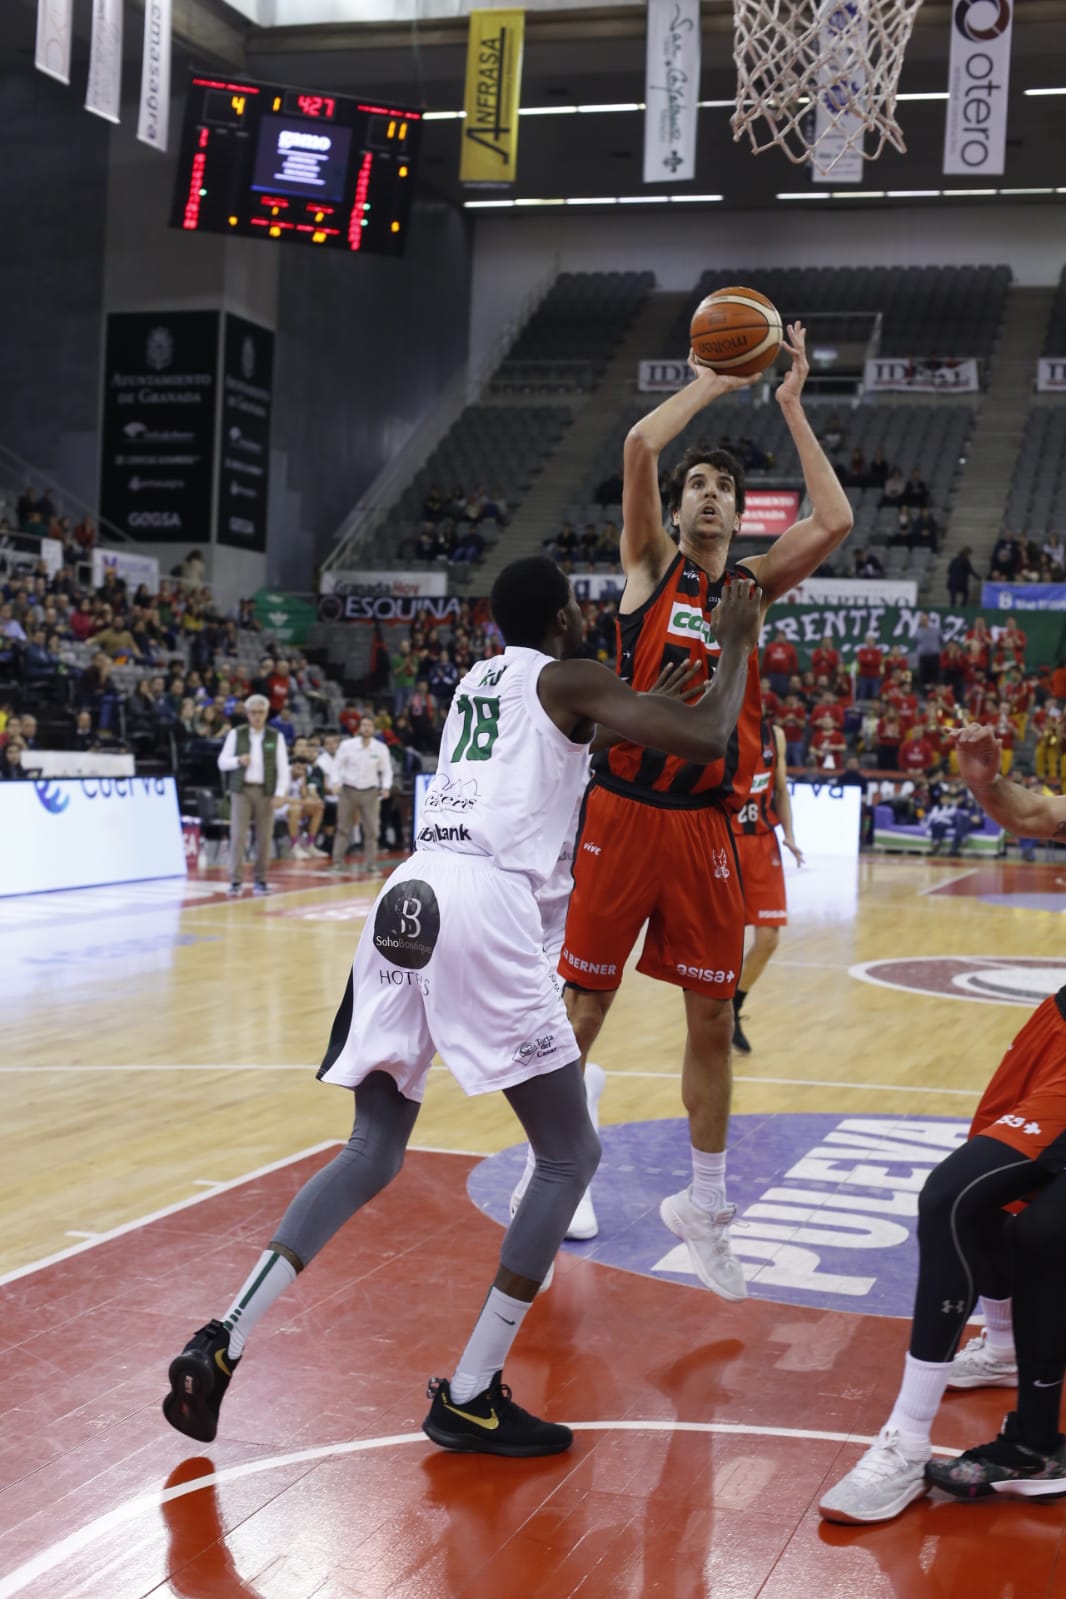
(267, 162)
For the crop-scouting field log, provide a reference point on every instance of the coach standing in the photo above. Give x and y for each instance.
(364, 779)
(256, 763)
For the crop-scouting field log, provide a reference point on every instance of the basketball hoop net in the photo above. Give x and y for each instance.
(838, 59)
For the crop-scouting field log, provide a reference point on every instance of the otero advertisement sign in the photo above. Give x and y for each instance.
(158, 424)
(975, 135)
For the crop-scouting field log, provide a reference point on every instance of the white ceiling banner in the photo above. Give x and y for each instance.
(671, 91)
(978, 76)
(837, 155)
(154, 114)
(104, 92)
(52, 54)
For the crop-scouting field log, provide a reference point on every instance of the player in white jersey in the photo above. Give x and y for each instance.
(451, 959)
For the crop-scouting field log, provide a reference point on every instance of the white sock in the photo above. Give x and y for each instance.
(918, 1400)
(999, 1327)
(595, 1077)
(708, 1180)
(270, 1278)
(490, 1343)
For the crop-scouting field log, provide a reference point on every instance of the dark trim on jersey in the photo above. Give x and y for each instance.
(342, 1024)
(659, 799)
(630, 622)
(1060, 1001)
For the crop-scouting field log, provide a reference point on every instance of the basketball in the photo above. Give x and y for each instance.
(736, 331)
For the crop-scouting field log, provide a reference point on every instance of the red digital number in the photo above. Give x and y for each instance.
(316, 105)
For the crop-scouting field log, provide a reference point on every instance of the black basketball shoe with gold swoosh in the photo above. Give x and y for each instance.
(199, 1377)
(490, 1423)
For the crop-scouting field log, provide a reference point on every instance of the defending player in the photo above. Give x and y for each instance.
(656, 845)
(967, 1242)
(754, 830)
(451, 960)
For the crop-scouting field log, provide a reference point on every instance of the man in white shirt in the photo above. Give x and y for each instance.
(363, 780)
(256, 762)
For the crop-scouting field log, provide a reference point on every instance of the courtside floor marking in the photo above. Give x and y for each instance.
(167, 1210)
(959, 877)
(92, 1239)
(57, 1553)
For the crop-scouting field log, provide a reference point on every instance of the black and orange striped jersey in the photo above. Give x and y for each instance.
(757, 813)
(672, 626)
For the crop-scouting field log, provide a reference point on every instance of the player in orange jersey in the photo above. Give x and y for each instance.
(768, 805)
(655, 845)
(991, 1219)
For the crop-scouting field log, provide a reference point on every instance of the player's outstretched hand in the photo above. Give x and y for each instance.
(790, 844)
(979, 753)
(717, 382)
(791, 385)
(679, 682)
(738, 615)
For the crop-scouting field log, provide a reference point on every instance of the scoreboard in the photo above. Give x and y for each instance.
(268, 162)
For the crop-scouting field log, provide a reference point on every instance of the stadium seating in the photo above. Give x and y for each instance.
(1055, 338)
(571, 336)
(1036, 504)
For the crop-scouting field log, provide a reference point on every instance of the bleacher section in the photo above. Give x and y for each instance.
(502, 447)
(569, 339)
(942, 311)
(931, 437)
(1036, 504)
(1055, 338)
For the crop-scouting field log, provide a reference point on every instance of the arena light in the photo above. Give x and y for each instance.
(643, 199)
(1027, 191)
(912, 194)
(858, 194)
(691, 199)
(442, 116)
(593, 199)
(485, 205)
(547, 111)
(621, 105)
(1045, 91)
(540, 202)
(956, 194)
(934, 94)
(807, 194)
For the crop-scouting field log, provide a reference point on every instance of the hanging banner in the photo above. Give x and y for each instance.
(1024, 596)
(489, 156)
(52, 54)
(671, 90)
(838, 133)
(956, 375)
(1051, 374)
(978, 76)
(155, 76)
(104, 91)
(157, 437)
(247, 392)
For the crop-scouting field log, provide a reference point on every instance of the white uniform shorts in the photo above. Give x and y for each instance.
(451, 960)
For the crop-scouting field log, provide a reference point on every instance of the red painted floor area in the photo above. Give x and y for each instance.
(320, 1484)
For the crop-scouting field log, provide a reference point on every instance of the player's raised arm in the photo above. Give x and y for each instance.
(645, 543)
(808, 543)
(1018, 809)
(585, 690)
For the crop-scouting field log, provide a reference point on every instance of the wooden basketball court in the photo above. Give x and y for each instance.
(159, 1108)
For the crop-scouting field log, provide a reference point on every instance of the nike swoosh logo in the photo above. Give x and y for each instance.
(489, 1422)
(506, 1319)
(220, 1362)
(1047, 1384)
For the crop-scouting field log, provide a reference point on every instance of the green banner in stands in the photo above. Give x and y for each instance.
(848, 625)
(286, 618)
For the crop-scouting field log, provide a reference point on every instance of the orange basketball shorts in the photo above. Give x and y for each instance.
(763, 877)
(677, 871)
(1025, 1103)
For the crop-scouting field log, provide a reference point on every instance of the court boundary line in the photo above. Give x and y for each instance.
(55, 1554)
(216, 1188)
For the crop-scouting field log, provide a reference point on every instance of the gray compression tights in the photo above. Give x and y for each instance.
(555, 1119)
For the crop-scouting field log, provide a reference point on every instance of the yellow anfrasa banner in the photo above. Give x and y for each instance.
(493, 87)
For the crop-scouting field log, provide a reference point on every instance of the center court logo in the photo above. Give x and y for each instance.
(987, 979)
